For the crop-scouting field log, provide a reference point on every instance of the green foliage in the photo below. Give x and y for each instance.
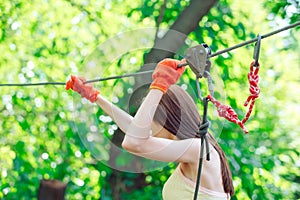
(49, 40)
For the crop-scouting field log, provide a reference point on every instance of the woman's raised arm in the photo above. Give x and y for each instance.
(120, 117)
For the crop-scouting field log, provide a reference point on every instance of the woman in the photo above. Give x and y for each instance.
(165, 128)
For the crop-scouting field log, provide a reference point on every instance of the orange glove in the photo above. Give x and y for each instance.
(166, 74)
(85, 90)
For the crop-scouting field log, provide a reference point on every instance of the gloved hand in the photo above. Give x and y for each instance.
(166, 74)
(85, 90)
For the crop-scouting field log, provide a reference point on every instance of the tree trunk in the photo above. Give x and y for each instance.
(187, 22)
(51, 190)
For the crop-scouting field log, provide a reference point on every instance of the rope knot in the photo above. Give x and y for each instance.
(203, 128)
(228, 113)
(253, 79)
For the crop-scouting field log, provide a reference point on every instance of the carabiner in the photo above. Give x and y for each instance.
(257, 50)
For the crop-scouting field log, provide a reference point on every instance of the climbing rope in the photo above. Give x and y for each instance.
(253, 79)
(227, 111)
(202, 133)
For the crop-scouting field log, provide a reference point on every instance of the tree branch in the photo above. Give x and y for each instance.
(160, 18)
(187, 22)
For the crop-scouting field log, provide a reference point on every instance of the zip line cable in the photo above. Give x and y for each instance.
(255, 39)
(89, 81)
(150, 71)
(120, 76)
(31, 84)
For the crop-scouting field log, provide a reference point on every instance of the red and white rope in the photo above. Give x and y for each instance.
(227, 111)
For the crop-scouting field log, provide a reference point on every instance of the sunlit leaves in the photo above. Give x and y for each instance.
(49, 40)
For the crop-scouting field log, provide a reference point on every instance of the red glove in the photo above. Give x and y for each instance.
(85, 90)
(166, 74)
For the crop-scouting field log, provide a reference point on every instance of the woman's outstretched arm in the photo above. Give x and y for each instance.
(119, 116)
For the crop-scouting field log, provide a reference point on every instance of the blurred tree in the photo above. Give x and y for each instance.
(44, 131)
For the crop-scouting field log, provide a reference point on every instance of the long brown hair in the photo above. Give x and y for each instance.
(178, 113)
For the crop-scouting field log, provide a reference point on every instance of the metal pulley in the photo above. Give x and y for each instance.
(197, 59)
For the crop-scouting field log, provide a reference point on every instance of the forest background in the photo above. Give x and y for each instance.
(49, 133)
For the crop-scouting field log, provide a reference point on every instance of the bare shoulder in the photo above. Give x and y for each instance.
(210, 165)
(211, 176)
